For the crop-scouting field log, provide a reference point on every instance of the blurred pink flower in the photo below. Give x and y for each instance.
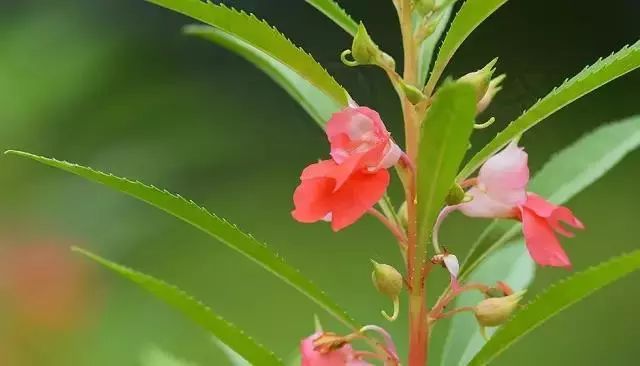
(343, 356)
(343, 189)
(44, 285)
(501, 192)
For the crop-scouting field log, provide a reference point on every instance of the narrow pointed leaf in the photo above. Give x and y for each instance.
(565, 175)
(510, 264)
(428, 47)
(314, 101)
(262, 36)
(589, 79)
(211, 224)
(444, 139)
(471, 15)
(334, 12)
(555, 299)
(226, 332)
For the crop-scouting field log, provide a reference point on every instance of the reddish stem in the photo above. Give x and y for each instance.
(469, 183)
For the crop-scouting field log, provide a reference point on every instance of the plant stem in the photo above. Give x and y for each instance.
(418, 327)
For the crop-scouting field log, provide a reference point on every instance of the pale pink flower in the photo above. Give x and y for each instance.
(501, 193)
(343, 356)
(502, 185)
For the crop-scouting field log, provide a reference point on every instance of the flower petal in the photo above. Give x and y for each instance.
(311, 200)
(483, 205)
(541, 241)
(505, 175)
(356, 196)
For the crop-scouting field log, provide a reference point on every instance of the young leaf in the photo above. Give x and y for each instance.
(565, 175)
(555, 299)
(512, 265)
(428, 47)
(334, 12)
(444, 138)
(589, 79)
(226, 332)
(262, 36)
(209, 223)
(314, 101)
(471, 14)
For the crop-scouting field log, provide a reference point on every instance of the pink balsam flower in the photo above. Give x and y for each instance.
(343, 356)
(359, 138)
(343, 189)
(501, 193)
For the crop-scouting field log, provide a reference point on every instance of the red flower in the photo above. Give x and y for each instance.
(341, 190)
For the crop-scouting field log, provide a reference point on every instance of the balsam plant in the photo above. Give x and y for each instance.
(440, 114)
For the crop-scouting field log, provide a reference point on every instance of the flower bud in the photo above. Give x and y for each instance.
(455, 195)
(424, 7)
(495, 311)
(365, 52)
(480, 79)
(501, 289)
(414, 94)
(386, 279)
(494, 88)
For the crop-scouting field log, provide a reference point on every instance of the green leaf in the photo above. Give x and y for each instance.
(555, 299)
(512, 265)
(589, 79)
(444, 138)
(428, 47)
(314, 101)
(154, 356)
(226, 332)
(334, 12)
(262, 36)
(234, 358)
(565, 175)
(471, 14)
(211, 224)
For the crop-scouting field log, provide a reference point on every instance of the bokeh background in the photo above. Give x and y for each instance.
(115, 85)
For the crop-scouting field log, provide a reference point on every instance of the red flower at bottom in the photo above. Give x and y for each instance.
(540, 221)
(337, 193)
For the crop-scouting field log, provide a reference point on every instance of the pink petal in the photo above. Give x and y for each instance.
(357, 196)
(541, 241)
(483, 205)
(505, 175)
(311, 357)
(451, 263)
(553, 214)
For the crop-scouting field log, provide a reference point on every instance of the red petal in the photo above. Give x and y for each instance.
(541, 241)
(312, 199)
(356, 196)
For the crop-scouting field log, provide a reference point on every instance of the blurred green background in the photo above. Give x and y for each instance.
(114, 85)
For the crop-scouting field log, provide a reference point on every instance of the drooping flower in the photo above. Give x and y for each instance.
(501, 192)
(342, 355)
(343, 189)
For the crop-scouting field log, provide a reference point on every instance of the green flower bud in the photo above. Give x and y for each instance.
(455, 195)
(386, 279)
(480, 79)
(365, 52)
(424, 7)
(492, 90)
(494, 311)
(414, 94)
